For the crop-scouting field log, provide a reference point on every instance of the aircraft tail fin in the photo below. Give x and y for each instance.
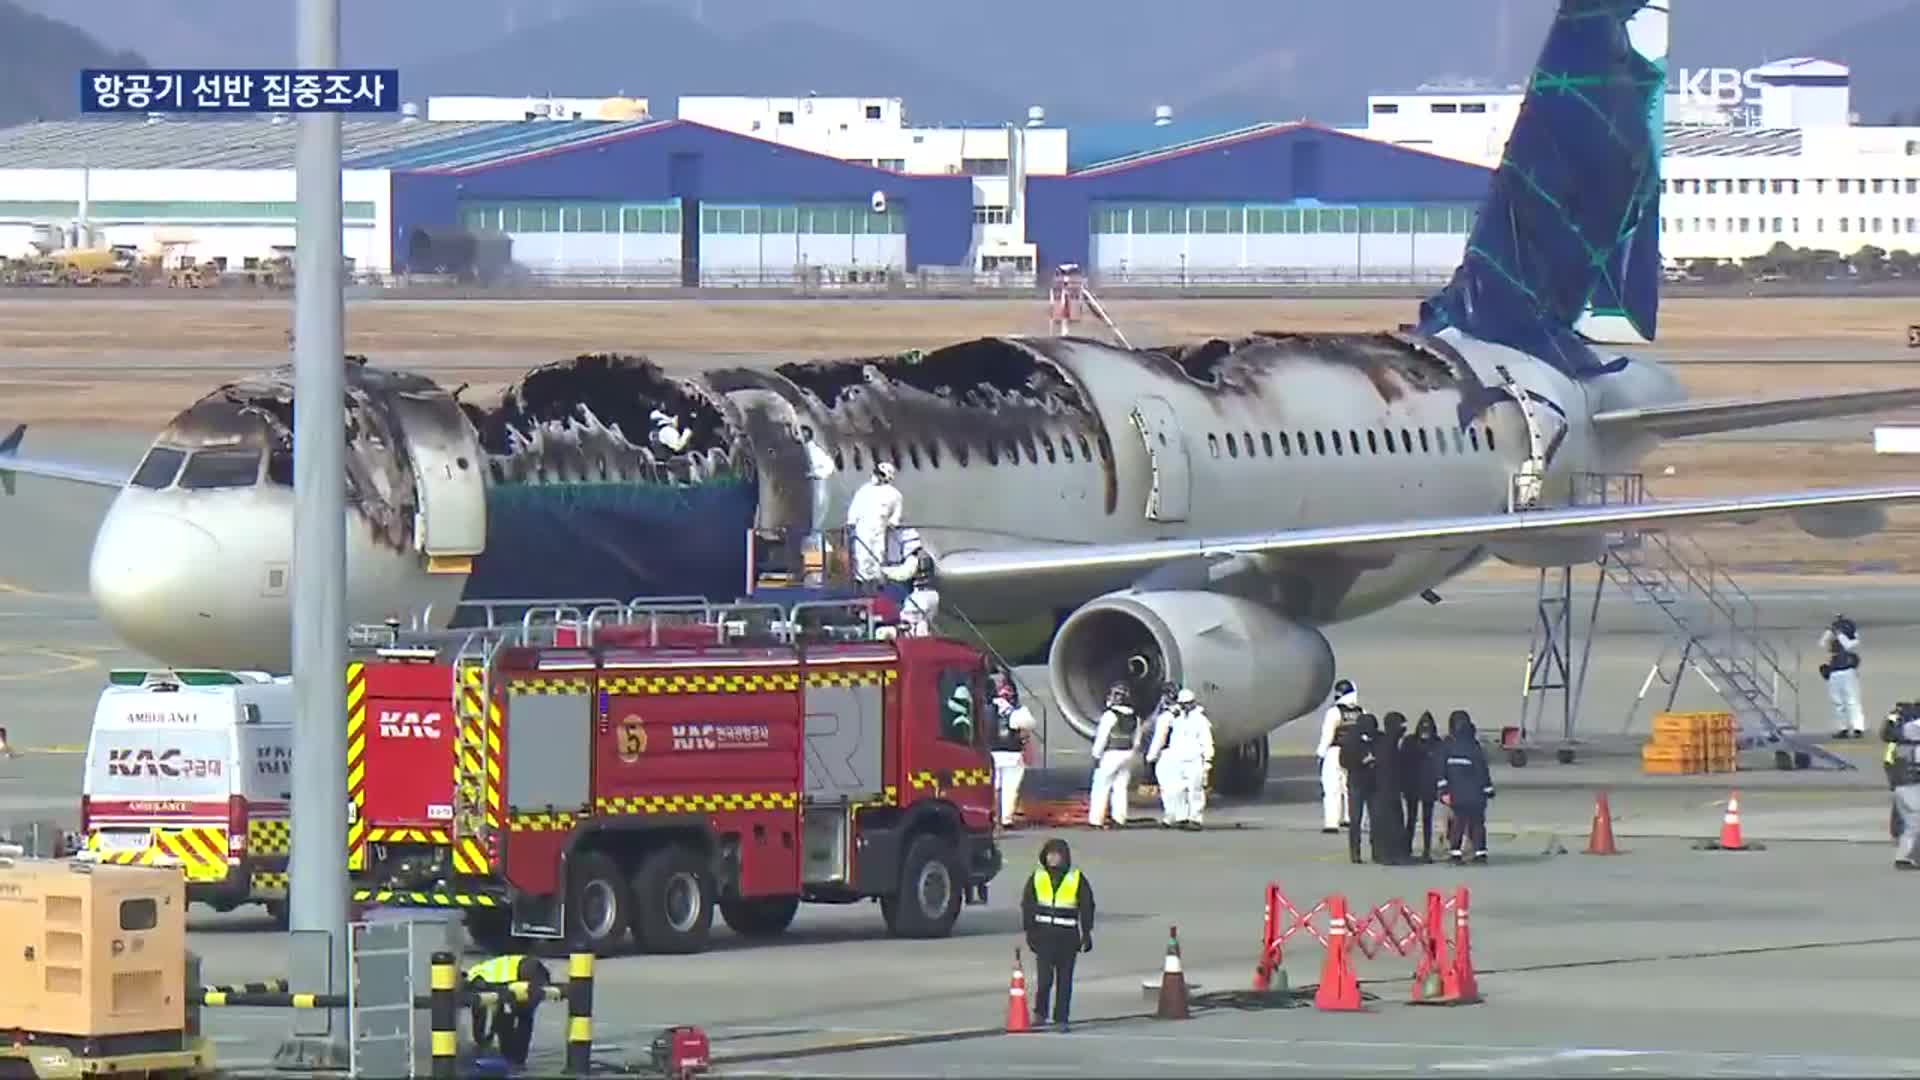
(10, 445)
(1566, 250)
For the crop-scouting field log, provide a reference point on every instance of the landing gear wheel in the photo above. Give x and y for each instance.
(928, 902)
(599, 907)
(1241, 772)
(1802, 760)
(760, 917)
(673, 899)
(1783, 760)
(1517, 758)
(1564, 755)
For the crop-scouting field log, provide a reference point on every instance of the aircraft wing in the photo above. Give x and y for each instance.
(1708, 417)
(12, 463)
(1105, 562)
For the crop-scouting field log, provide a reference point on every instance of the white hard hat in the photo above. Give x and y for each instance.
(1187, 697)
(885, 471)
(660, 416)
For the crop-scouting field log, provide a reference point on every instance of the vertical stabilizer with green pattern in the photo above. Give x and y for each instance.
(1567, 247)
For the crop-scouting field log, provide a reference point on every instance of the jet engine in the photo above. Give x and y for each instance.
(1253, 668)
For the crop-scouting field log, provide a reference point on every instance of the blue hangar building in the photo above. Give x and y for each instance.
(676, 201)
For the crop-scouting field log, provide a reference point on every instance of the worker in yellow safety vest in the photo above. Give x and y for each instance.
(512, 1018)
(1057, 910)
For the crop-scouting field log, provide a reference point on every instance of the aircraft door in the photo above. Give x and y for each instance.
(1167, 497)
(449, 475)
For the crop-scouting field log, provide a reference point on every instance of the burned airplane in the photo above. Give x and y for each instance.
(1198, 514)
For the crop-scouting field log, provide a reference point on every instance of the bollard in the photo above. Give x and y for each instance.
(441, 1016)
(580, 1013)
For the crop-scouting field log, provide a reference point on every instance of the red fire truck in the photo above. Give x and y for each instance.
(633, 768)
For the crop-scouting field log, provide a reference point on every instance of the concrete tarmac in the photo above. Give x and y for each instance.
(1663, 960)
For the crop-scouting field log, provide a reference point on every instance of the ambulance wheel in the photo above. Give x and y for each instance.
(599, 907)
(929, 899)
(673, 902)
(761, 916)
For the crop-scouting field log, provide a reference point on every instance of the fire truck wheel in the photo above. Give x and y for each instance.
(929, 898)
(600, 906)
(760, 917)
(673, 902)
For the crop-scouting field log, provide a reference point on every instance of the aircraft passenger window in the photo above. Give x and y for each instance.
(1406, 440)
(1286, 445)
(1319, 441)
(1373, 443)
(1339, 447)
(1046, 443)
(1013, 452)
(1066, 448)
(933, 454)
(1353, 439)
(1086, 452)
(1424, 448)
(993, 452)
(857, 467)
(280, 468)
(1247, 438)
(1233, 447)
(1459, 443)
(208, 469)
(1266, 442)
(1033, 455)
(1489, 438)
(1440, 439)
(1213, 445)
(1473, 435)
(893, 451)
(958, 708)
(839, 461)
(913, 455)
(1390, 448)
(162, 464)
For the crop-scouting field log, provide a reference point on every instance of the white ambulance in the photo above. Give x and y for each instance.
(195, 768)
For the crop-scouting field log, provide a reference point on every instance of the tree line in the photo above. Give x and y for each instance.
(1785, 262)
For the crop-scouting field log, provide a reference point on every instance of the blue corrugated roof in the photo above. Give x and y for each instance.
(498, 142)
(1102, 144)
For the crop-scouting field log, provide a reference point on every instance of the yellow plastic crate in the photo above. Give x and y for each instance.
(1668, 759)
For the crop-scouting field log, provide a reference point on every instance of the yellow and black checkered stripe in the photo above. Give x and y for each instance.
(698, 804)
(704, 682)
(200, 849)
(889, 797)
(851, 677)
(552, 684)
(400, 898)
(542, 822)
(271, 884)
(408, 836)
(357, 765)
(269, 837)
(958, 778)
(476, 772)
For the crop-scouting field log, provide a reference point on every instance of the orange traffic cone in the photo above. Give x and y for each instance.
(1459, 985)
(1428, 983)
(1017, 1018)
(1339, 986)
(1173, 981)
(1730, 835)
(1600, 840)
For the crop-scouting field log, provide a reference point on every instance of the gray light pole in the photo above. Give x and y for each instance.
(318, 886)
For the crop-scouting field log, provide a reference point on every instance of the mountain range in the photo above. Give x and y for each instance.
(981, 62)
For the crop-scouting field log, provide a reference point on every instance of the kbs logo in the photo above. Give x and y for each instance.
(409, 725)
(159, 763)
(721, 736)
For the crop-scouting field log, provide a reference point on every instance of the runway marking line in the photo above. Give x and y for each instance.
(69, 664)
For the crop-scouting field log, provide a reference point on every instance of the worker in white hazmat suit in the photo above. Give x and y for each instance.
(668, 432)
(1841, 643)
(876, 508)
(1014, 725)
(1333, 779)
(1183, 746)
(1114, 742)
(820, 469)
(916, 570)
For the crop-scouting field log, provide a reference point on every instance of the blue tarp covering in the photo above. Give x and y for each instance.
(1572, 221)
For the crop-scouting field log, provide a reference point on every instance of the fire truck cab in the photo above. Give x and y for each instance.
(634, 768)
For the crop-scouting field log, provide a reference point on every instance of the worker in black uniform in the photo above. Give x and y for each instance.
(512, 1019)
(1359, 756)
(1389, 826)
(1466, 784)
(1419, 783)
(1057, 910)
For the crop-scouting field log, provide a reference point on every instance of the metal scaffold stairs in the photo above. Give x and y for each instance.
(1713, 625)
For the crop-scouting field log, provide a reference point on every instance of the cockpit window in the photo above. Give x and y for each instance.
(221, 469)
(162, 464)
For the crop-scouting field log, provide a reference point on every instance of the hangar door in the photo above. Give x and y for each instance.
(1159, 429)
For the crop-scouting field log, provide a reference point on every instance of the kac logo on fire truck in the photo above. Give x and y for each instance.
(721, 736)
(409, 725)
(160, 763)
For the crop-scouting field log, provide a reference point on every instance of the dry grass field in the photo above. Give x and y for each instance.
(137, 361)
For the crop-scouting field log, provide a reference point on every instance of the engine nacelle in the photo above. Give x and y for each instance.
(1253, 668)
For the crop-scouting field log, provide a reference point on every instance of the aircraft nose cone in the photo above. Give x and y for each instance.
(154, 578)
